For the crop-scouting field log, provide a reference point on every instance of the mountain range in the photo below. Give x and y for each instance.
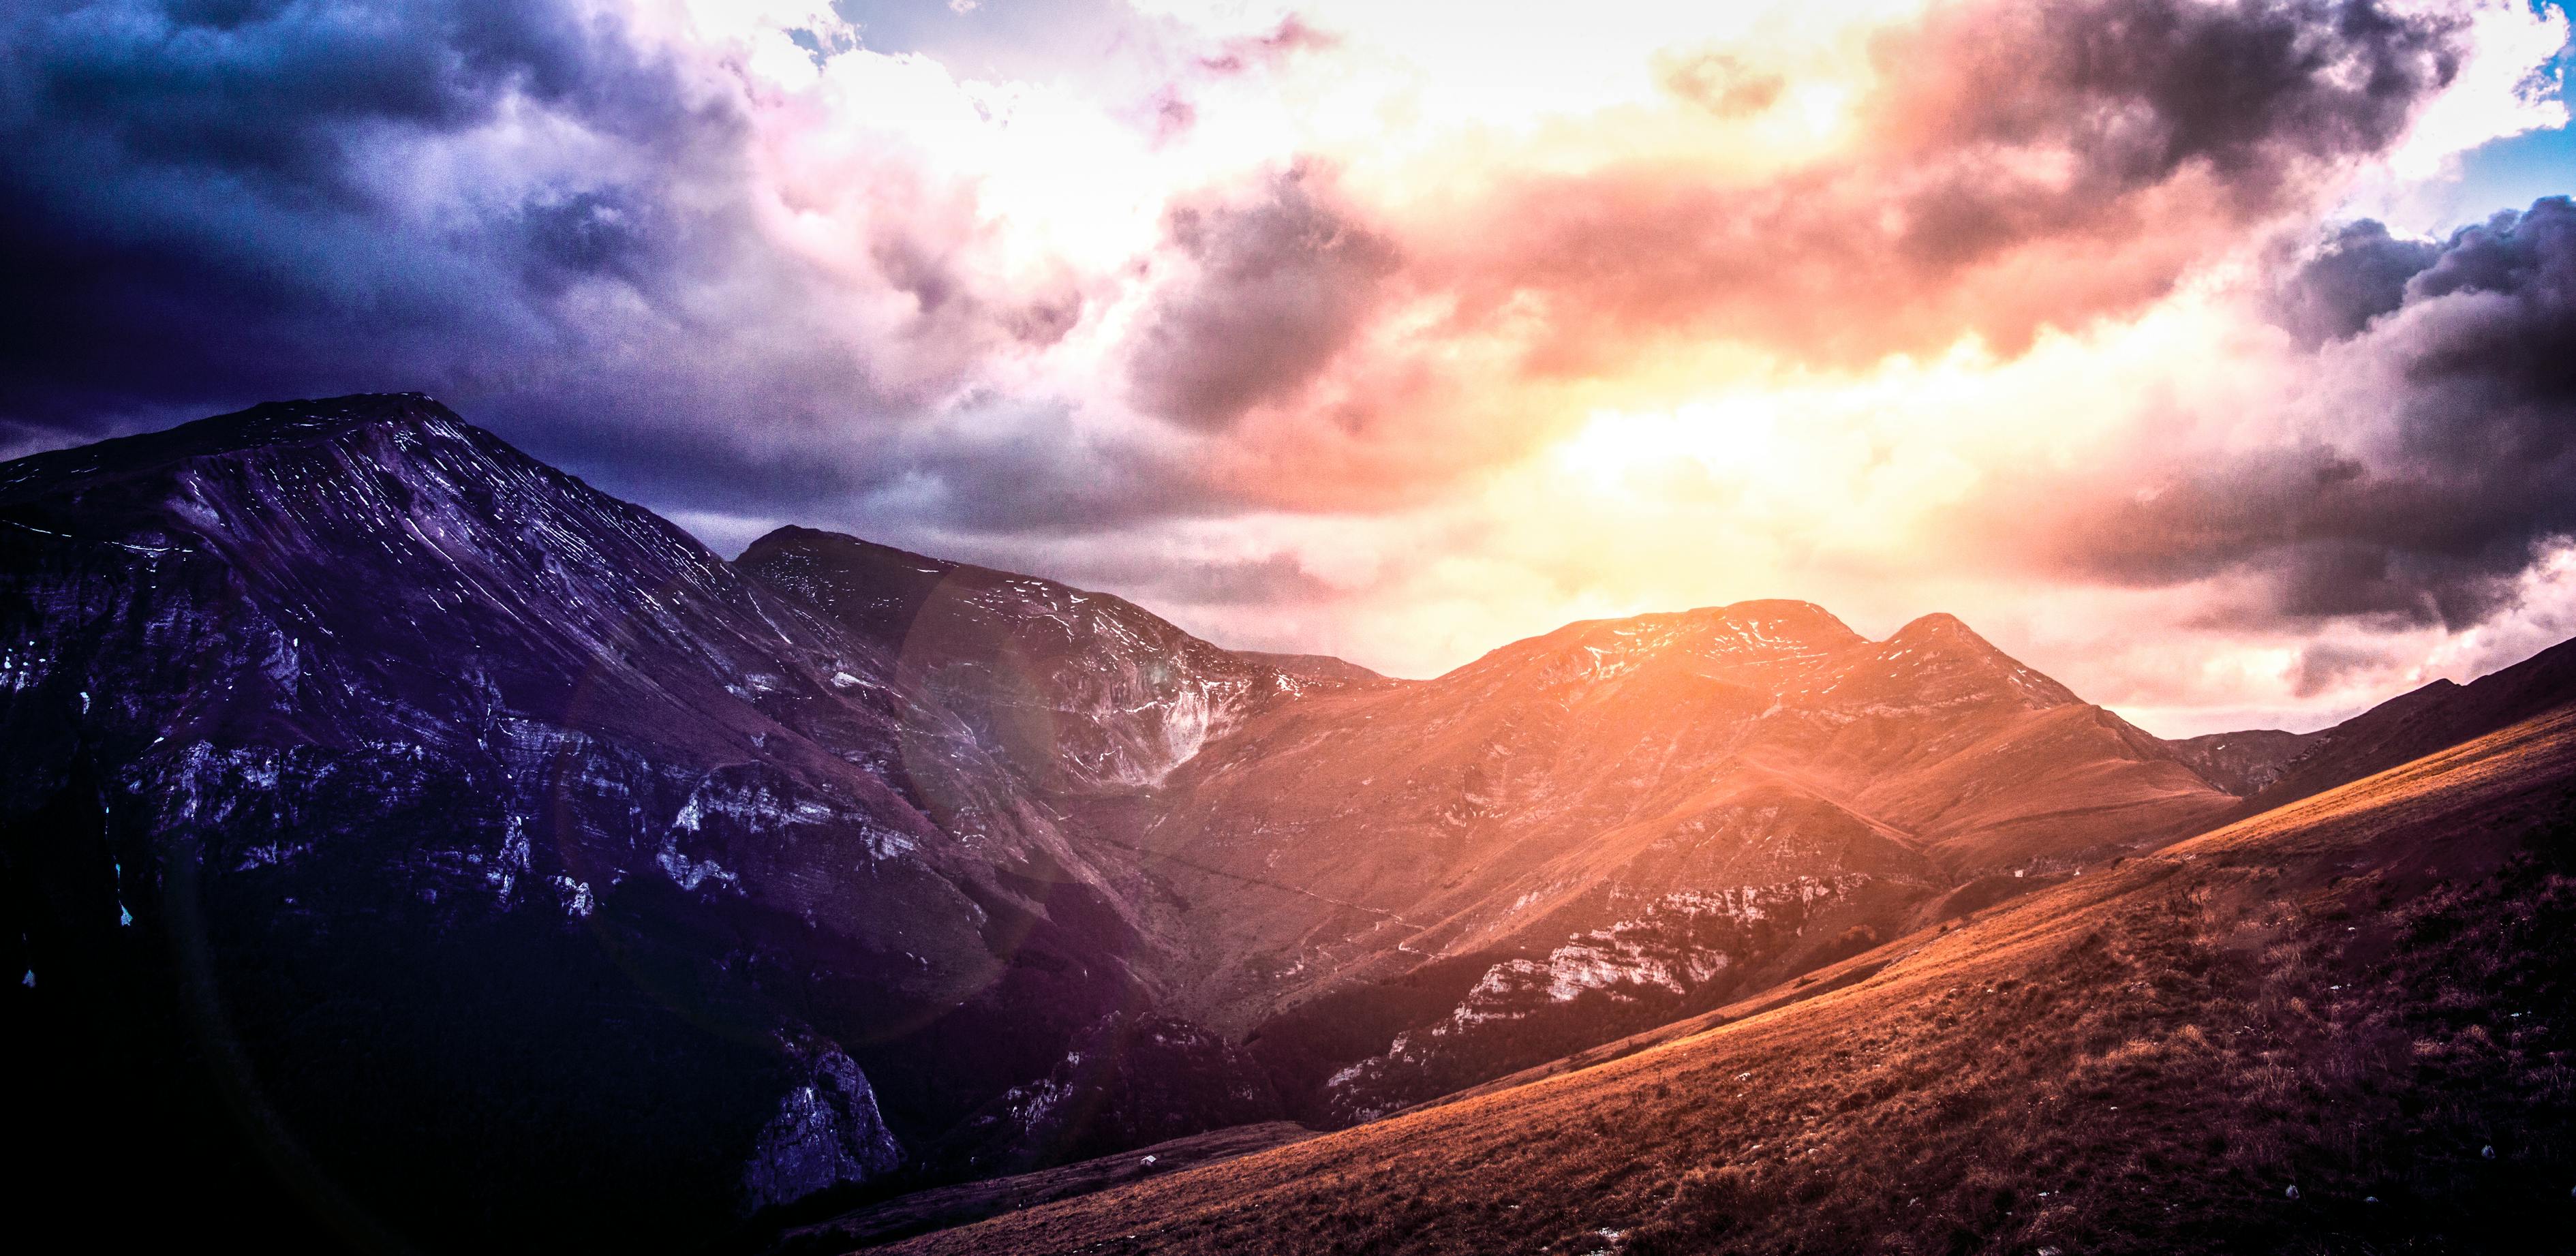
(2338, 1026)
(405, 836)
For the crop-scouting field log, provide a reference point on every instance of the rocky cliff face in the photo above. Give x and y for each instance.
(1079, 693)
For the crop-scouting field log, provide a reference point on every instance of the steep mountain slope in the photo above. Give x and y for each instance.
(1080, 692)
(1401, 891)
(356, 754)
(2341, 1025)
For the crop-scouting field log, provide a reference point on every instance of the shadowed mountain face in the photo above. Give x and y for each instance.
(1079, 693)
(366, 757)
(356, 754)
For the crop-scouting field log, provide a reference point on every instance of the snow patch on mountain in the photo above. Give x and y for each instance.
(689, 873)
(1654, 959)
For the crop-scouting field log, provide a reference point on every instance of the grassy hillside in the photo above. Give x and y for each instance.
(2341, 1026)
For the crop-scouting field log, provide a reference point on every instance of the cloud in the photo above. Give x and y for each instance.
(1719, 82)
(2326, 664)
(2019, 166)
(1268, 48)
(208, 204)
(290, 92)
(2440, 470)
(654, 247)
(2356, 275)
(2008, 169)
(1431, 315)
(1270, 291)
(565, 218)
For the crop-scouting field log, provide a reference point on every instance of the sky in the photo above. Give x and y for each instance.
(2217, 357)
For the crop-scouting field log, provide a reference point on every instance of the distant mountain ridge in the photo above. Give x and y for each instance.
(2245, 762)
(1315, 666)
(836, 867)
(2417, 723)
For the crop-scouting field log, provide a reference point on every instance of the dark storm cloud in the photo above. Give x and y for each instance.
(1271, 580)
(2437, 499)
(2142, 88)
(526, 209)
(1012, 473)
(202, 203)
(282, 90)
(949, 305)
(598, 231)
(2020, 165)
(2358, 274)
(1032, 470)
(1275, 289)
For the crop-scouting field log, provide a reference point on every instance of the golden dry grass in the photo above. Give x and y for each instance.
(2355, 996)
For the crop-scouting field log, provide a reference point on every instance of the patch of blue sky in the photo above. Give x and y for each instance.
(2513, 172)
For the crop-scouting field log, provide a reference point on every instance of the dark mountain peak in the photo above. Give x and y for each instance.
(886, 591)
(883, 591)
(371, 457)
(386, 544)
(267, 424)
(796, 538)
(286, 422)
(876, 589)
